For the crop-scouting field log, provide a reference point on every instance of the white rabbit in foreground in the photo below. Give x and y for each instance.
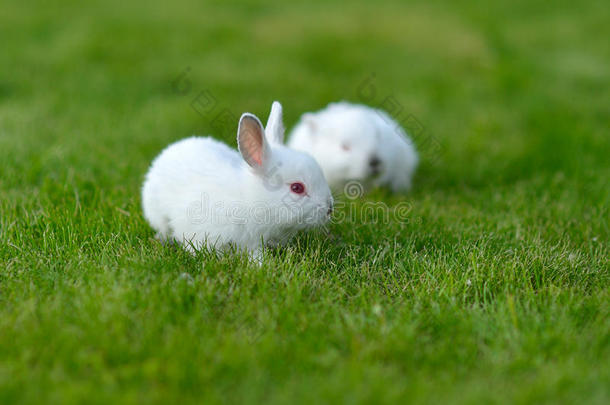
(356, 142)
(199, 192)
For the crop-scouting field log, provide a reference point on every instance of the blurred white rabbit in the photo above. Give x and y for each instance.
(356, 142)
(199, 192)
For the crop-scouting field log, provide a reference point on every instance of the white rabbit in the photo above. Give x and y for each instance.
(199, 192)
(356, 142)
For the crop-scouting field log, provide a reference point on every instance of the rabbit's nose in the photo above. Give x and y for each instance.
(330, 208)
(374, 165)
(374, 162)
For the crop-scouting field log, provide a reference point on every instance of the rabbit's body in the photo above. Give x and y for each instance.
(356, 142)
(199, 192)
(183, 186)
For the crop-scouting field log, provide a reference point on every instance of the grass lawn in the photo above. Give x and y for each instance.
(494, 288)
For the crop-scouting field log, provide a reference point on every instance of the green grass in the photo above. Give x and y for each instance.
(496, 288)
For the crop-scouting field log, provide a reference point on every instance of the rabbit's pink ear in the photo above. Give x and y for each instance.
(251, 141)
(275, 125)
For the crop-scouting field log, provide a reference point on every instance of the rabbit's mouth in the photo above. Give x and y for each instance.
(322, 214)
(375, 172)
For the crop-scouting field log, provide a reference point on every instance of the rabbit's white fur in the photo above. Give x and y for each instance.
(356, 142)
(199, 192)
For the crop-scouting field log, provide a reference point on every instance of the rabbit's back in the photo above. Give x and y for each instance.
(197, 155)
(397, 150)
(183, 173)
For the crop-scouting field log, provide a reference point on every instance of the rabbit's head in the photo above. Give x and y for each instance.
(287, 186)
(345, 143)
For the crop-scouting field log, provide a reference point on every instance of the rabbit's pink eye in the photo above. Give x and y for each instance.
(345, 146)
(297, 188)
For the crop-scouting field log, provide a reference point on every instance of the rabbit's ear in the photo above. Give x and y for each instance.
(275, 126)
(251, 141)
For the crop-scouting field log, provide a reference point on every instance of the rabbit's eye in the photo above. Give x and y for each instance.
(345, 146)
(297, 188)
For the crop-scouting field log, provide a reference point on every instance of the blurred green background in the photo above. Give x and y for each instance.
(497, 291)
